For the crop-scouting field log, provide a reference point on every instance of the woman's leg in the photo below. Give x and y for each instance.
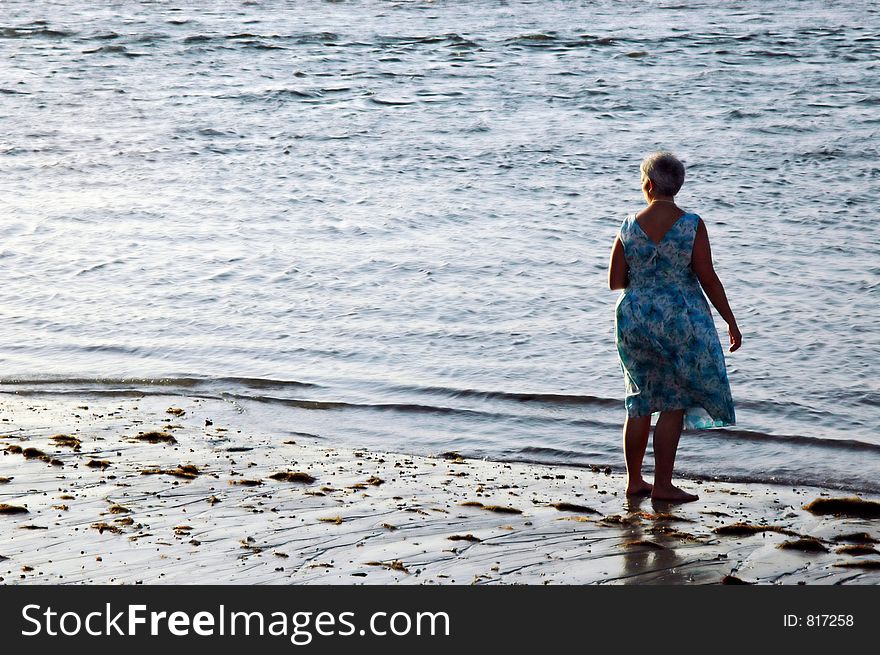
(666, 435)
(635, 441)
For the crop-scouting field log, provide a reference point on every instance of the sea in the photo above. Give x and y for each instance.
(388, 224)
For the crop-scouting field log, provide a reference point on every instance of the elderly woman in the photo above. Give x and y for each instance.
(668, 346)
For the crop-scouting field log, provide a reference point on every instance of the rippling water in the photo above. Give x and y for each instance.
(388, 224)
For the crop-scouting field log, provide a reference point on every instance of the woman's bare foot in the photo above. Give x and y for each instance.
(672, 494)
(639, 488)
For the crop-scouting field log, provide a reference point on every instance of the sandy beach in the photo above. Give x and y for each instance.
(169, 489)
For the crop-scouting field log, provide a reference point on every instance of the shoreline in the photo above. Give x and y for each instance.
(202, 496)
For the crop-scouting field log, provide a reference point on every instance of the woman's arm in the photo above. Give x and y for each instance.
(618, 269)
(701, 262)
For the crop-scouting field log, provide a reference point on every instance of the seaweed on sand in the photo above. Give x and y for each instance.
(293, 476)
(12, 509)
(804, 544)
(571, 507)
(745, 529)
(463, 537)
(857, 549)
(850, 506)
(155, 437)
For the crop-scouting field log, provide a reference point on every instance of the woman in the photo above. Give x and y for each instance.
(669, 350)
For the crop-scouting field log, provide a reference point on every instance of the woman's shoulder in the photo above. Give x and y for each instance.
(692, 217)
(697, 221)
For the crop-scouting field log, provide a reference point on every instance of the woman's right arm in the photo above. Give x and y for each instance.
(618, 270)
(701, 262)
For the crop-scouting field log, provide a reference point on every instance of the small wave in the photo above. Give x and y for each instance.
(313, 37)
(774, 53)
(555, 454)
(594, 92)
(546, 399)
(100, 393)
(256, 44)
(242, 35)
(293, 93)
(821, 154)
(97, 267)
(153, 37)
(391, 101)
(114, 50)
(871, 399)
(595, 40)
(182, 382)
(266, 383)
(545, 456)
(274, 95)
(103, 36)
(820, 442)
(451, 39)
(267, 40)
(552, 41)
(210, 131)
(339, 404)
(794, 481)
(741, 113)
(523, 397)
(39, 31)
(255, 41)
(534, 38)
(110, 348)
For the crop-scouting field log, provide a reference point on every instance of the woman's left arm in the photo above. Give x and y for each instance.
(618, 269)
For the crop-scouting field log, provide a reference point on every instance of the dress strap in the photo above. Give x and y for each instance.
(625, 231)
(693, 221)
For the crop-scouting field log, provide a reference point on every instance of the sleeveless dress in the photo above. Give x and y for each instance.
(668, 346)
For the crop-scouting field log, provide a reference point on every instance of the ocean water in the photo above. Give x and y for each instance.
(387, 224)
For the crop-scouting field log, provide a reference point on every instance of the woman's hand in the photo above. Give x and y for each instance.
(735, 336)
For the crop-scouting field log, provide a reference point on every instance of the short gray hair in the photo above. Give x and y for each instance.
(666, 172)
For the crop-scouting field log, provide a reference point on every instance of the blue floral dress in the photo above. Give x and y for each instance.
(666, 339)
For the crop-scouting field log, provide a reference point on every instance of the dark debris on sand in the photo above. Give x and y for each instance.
(463, 537)
(857, 549)
(66, 441)
(860, 564)
(571, 507)
(185, 471)
(745, 529)
(804, 544)
(293, 476)
(733, 580)
(855, 538)
(155, 437)
(851, 506)
(12, 509)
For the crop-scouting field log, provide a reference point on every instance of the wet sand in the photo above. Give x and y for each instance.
(128, 492)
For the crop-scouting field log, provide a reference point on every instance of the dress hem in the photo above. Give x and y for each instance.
(695, 417)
